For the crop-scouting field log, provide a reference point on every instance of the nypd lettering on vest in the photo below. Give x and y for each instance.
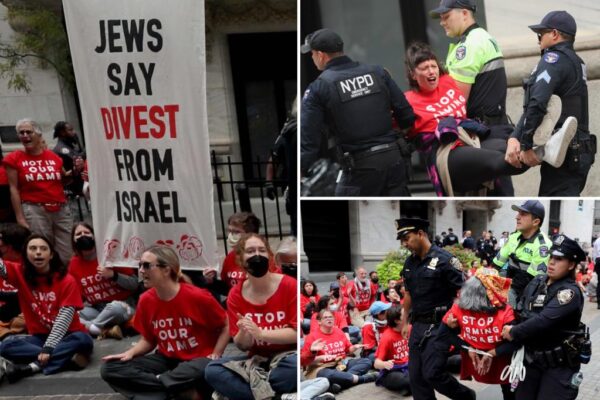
(358, 86)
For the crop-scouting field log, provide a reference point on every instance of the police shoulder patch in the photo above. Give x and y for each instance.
(305, 94)
(64, 150)
(565, 296)
(543, 251)
(461, 52)
(551, 57)
(455, 262)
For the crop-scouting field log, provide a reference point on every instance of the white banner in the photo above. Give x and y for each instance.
(141, 77)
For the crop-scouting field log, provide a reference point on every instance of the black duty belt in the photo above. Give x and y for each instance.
(375, 149)
(553, 358)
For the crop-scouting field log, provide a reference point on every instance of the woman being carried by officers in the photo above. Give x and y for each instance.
(550, 328)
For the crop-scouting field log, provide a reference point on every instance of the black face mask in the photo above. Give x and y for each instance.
(289, 269)
(85, 243)
(257, 265)
(374, 280)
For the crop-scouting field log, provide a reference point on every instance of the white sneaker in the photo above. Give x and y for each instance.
(544, 131)
(555, 150)
(289, 396)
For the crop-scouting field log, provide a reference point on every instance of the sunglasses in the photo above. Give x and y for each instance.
(541, 34)
(147, 265)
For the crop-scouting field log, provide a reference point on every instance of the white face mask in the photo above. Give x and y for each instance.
(333, 307)
(379, 322)
(233, 238)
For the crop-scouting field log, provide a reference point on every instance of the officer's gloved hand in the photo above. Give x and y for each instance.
(270, 190)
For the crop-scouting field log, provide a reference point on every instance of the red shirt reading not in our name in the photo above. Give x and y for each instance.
(336, 346)
(39, 177)
(481, 330)
(40, 305)
(363, 295)
(430, 107)
(94, 288)
(393, 346)
(280, 311)
(185, 327)
(232, 273)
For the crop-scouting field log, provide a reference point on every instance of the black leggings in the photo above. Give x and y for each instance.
(469, 166)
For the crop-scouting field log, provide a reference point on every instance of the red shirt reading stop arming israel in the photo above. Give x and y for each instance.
(393, 346)
(336, 346)
(185, 327)
(280, 311)
(40, 305)
(39, 177)
(94, 288)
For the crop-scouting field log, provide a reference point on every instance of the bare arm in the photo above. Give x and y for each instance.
(221, 341)
(15, 196)
(406, 306)
(140, 348)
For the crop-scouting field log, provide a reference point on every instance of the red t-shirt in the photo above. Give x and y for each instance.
(337, 345)
(429, 107)
(39, 177)
(6, 287)
(393, 346)
(339, 321)
(40, 305)
(369, 337)
(3, 176)
(185, 327)
(232, 273)
(280, 311)
(304, 300)
(93, 286)
(363, 297)
(481, 330)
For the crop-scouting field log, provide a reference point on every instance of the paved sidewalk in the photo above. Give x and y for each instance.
(590, 388)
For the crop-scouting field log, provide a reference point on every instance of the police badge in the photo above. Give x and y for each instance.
(565, 296)
(461, 52)
(433, 263)
(455, 262)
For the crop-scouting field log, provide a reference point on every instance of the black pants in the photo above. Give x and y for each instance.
(396, 381)
(469, 166)
(547, 383)
(378, 174)
(136, 379)
(427, 366)
(569, 179)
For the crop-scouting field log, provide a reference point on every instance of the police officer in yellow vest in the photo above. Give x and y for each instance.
(527, 249)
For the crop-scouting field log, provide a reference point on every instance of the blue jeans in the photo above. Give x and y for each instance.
(25, 349)
(356, 366)
(282, 378)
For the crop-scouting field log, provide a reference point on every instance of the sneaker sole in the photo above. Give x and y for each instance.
(543, 133)
(571, 123)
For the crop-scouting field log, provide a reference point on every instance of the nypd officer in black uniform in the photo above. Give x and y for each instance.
(550, 329)
(432, 277)
(354, 101)
(563, 73)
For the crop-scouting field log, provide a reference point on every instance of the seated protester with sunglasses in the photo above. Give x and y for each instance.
(49, 298)
(35, 175)
(263, 320)
(185, 323)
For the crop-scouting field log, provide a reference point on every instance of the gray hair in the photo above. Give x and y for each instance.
(286, 247)
(34, 125)
(473, 297)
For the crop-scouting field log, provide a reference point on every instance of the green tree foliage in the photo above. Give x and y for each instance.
(40, 37)
(466, 256)
(392, 265)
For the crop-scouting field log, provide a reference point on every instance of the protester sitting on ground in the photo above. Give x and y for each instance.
(372, 331)
(37, 194)
(109, 293)
(391, 358)
(309, 297)
(329, 303)
(362, 293)
(49, 299)
(263, 320)
(313, 389)
(328, 348)
(339, 290)
(12, 240)
(458, 156)
(481, 312)
(286, 257)
(390, 295)
(185, 323)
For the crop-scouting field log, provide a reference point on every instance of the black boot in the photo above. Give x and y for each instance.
(16, 372)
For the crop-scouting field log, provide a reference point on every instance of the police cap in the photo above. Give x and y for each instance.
(559, 20)
(562, 246)
(533, 207)
(405, 225)
(324, 40)
(447, 5)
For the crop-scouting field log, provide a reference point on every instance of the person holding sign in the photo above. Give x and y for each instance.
(186, 325)
(263, 317)
(108, 294)
(48, 297)
(35, 176)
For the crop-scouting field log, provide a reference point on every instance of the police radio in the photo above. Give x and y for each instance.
(585, 352)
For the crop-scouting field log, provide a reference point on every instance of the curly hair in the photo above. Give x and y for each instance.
(416, 53)
(303, 288)
(241, 245)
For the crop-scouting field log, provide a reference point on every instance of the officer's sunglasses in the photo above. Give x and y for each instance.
(542, 33)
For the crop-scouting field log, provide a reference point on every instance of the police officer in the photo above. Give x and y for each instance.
(550, 329)
(354, 101)
(432, 276)
(561, 72)
(451, 239)
(526, 250)
(70, 150)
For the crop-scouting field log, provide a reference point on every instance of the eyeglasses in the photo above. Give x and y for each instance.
(147, 265)
(26, 132)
